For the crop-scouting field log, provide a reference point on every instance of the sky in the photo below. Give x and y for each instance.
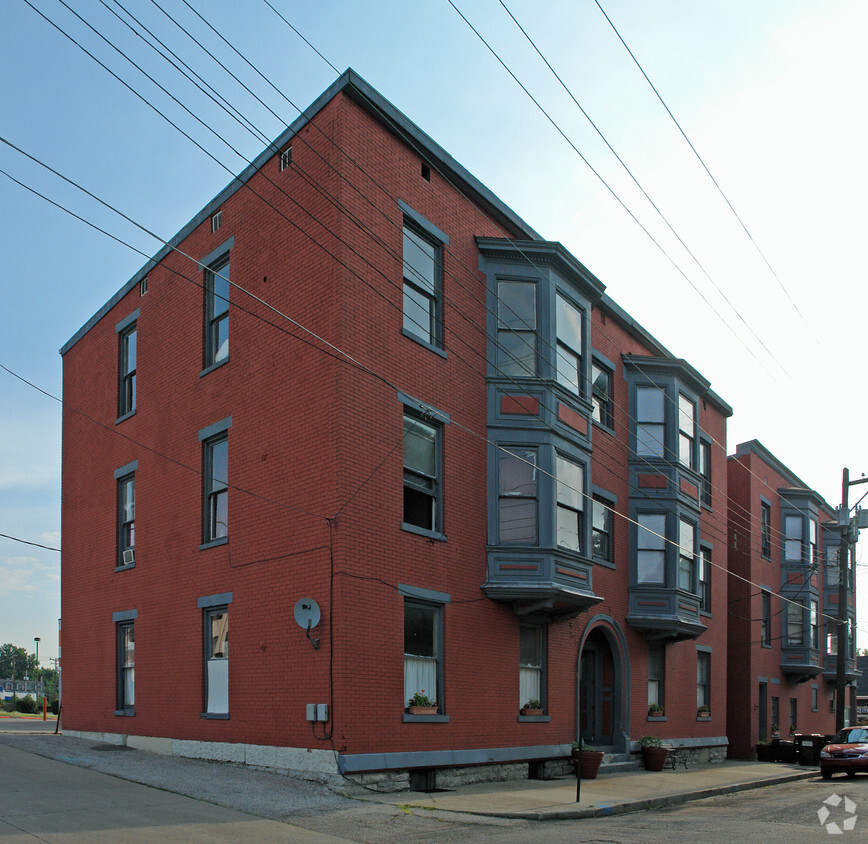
(771, 94)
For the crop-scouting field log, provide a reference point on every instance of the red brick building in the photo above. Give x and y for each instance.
(439, 460)
(783, 604)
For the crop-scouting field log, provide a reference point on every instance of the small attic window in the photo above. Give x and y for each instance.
(216, 221)
(143, 286)
(426, 172)
(285, 158)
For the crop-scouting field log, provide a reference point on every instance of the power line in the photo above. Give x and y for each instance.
(26, 542)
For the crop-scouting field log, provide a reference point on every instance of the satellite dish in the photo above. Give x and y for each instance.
(307, 613)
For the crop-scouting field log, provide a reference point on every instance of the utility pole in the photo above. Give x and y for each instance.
(847, 526)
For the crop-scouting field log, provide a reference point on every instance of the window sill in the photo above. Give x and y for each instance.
(703, 717)
(124, 568)
(425, 719)
(215, 716)
(213, 543)
(125, 416)
(656, 717)
(599, 561)
(128, 713)
(430, 534)
(212, 366)
(602, 426)
(706, 613)
(538, 719)
(430, 346)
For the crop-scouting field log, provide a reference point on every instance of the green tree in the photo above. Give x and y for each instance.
(16, 662)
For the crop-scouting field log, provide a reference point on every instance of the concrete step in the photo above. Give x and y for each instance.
(619, 763)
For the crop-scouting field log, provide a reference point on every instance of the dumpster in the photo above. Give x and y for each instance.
(805, 749)
(783, 751)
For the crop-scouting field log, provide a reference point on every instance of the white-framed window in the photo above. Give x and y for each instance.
(422, 281)
(569, 345)
(285, 158)
(517, 496)
(651, 548)
(650, 421)
(516, 329)
(216, 221)
(422, 485)
(570, 504)
(217, 313)
(531, 681)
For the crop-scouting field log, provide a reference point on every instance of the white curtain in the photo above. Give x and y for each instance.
(129, 686)
(218, 686)
(528, 685)
(420, 675)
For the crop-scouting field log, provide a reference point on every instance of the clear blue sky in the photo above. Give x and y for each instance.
(771, 92)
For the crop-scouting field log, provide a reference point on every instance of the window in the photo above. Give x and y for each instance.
(703, 680)
(422, 650)
(794, 721)
(216, 221)
(126, 667)
(285, 158)
(650, 422)
(516, 329)
(812, 542)
(793, 526)
(651, 548)
(686, 431)
(705, 471)
(421, 473)
(832, 637)
(530, 677)
(833, 572)
(570, 504)
(776, 713)
(217, 660)
(766, 621)
(705, 579)
(795, 623)
(815, 625)
(601, 532)
(127, 392)
(217, 314)
(766, 529)
(656, 674)
(814, 698)
(686, 556)
(601, 395)
(421, 286)
(517, 497)
(143, 286)
(216, 488)
(126, 520)
(569, 346)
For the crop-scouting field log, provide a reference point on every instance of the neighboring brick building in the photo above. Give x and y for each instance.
(478, 477)
(784, 544)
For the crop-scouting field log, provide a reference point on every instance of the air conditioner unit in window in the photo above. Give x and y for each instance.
(129, 556)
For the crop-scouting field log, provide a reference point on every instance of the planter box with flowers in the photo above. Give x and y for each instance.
(532, 707)
(703, 712)
(655, 710)
(421, 704)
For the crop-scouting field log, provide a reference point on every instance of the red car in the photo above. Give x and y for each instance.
(848, 754)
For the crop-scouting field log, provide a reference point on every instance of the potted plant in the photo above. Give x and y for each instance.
(591, 759)
(532, 707)
(703, 711)
(792, 729)
(421, 704)
(653, 753)
(655, 710)
(776, 731)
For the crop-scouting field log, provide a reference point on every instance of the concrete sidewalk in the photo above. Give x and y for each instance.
(609, 794)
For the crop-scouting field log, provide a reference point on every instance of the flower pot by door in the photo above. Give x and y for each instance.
(654, 757)
(591, 761)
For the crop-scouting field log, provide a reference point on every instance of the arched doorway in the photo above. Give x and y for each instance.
(601, 672)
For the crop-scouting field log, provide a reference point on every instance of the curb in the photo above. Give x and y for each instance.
(610, 809)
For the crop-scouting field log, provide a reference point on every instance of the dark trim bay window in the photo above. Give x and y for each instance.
(421, 473)
(517, 496)
(516, 329)
(601, 530)
(705, 579)
(601, 395)
(795, 616)
(686, 556)
(705, 471)
(793, 535)
(217, 313)
(570, 372)
(686, 431)
(570, 504)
